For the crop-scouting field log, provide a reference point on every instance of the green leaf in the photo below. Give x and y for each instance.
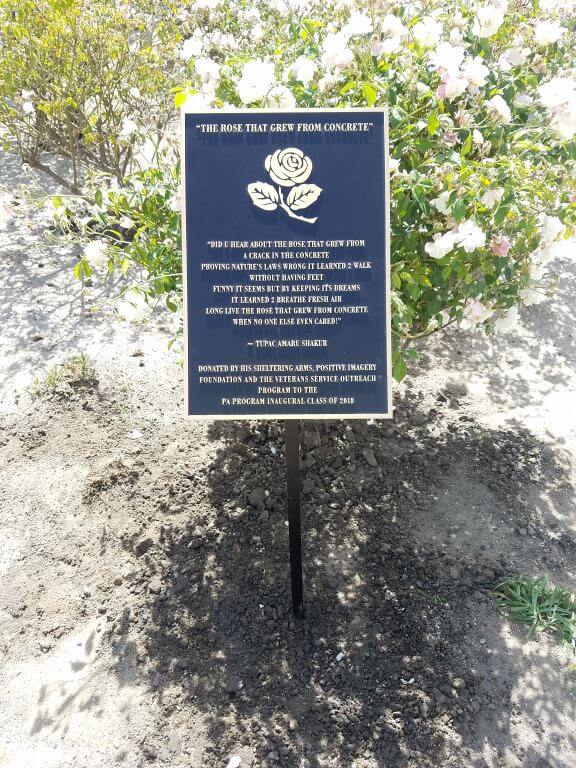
(349, 86)
(459, 210)
(179, 99)
(467, 146)
(370, 94)
(433, 123)
(399, 368)
(417, 194)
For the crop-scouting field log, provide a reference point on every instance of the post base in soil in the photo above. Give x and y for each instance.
(292, 447)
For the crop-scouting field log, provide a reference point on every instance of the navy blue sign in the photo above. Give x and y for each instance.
(286, 264)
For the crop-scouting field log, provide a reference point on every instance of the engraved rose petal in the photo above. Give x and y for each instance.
(288, 167)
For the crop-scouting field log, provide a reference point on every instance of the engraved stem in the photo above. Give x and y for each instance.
(291, 213)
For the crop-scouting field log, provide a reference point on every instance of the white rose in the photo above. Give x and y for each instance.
(557, 92)
(458, 19)
(252, 14)
(207, 69)
(447, 58)
(191, 47)
(441, 202)
(327, 82)
(256, 80)
(509, 322)
(475, 312)
(129, 127)
(335, 52)
(303, 70)
(498, 107)
(488, 21)
(564, 122)
(475, 71)
(281, 97)
(357, 24)
(548, 32)
(197, 101)
(523, 100)
(28, 108)
(559, 97)
(427, 32)
(386, 47)
(174, 203)
(133, 306)
(551, 228)
(95, 253)
(517, 56)
(394, 32)
(469, 236)
(287, 7)
(257, 32)
(221, 39)
(393, 27)
(455, 36)
(441, 246)
(288, 167)
(491, 197)
(454, 86)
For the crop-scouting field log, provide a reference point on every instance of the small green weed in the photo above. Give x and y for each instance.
(540, 605)
(74, 374)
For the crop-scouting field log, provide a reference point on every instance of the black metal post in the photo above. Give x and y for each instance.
(292, 445)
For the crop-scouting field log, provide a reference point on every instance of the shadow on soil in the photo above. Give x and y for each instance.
(401, 660)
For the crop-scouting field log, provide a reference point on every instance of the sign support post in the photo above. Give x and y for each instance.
(292, 448)
(286, 273)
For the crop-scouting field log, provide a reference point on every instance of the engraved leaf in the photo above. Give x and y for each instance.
(263, 195)
(302, 196)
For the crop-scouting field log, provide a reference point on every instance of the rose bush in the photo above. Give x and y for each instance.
(482, 104)
(87, 81)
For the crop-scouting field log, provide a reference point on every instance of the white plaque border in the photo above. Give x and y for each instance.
(388, 414)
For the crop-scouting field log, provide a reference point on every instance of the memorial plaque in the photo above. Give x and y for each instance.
(286, 264)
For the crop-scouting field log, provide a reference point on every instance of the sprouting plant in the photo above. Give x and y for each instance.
(75, 373)
(540, 605)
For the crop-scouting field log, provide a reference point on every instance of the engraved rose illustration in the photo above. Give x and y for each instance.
(287, 168)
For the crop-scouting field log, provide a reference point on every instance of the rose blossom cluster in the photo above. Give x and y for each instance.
(482, 101)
